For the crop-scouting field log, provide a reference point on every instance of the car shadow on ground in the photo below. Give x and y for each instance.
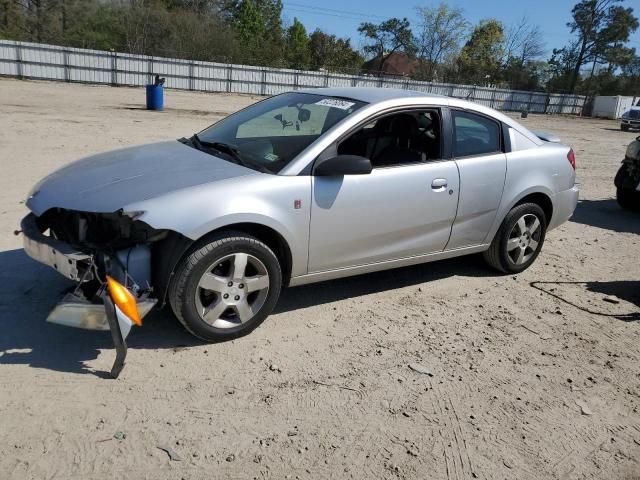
(617, 130)
(626, 290)
(606, 214)
(340, 289)
(28, 292)
(190, 111)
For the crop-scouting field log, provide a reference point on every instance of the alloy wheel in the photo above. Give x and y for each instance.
(524, 239)
(232, 290)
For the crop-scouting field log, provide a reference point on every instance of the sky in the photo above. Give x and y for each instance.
(342, 17)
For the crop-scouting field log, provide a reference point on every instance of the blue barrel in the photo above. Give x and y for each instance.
(155, 97)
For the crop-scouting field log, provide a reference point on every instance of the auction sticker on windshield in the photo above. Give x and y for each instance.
(335, 103)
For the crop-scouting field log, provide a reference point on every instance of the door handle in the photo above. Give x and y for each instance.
(439, 183)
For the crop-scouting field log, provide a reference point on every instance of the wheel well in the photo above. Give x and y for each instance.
(539, 199)
(271, 239)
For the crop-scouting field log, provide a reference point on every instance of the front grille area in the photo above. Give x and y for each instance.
(96, 231)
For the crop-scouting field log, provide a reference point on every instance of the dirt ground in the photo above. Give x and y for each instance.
(533, 376)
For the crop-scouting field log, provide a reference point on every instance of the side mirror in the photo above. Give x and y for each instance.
(343, 165)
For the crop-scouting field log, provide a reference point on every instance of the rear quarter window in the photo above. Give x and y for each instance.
(475, 135)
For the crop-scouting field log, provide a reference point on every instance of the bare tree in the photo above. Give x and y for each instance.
(523, 43)
(137, 27)
(441, 30)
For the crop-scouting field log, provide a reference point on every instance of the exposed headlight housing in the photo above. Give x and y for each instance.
(134, 214)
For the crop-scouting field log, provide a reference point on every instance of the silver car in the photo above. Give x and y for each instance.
(298, 188)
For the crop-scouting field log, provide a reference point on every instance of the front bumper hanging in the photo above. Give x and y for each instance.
(75, 311)
(113, 308)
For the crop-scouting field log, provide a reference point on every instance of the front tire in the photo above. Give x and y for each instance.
(225, 286)
(628, 199)
(519, 239)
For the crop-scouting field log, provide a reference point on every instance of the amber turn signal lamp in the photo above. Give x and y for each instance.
(124, 299)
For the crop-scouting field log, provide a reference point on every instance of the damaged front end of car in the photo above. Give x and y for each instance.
(628, 176)
(109, 256)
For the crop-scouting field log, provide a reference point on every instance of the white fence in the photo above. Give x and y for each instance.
(49, 62)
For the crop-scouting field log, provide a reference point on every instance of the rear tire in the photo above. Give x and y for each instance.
(225, 286)
(519, 239)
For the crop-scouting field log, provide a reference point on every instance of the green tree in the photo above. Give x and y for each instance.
(481, 57)
(297, 46)
(387, 38)
(561, 66)
(331, 53)
(441, 29)
(622, 23)
(248, 22)
(258, 26)
(12, 20)
(630, 78)
(599, 25)
(95, 25)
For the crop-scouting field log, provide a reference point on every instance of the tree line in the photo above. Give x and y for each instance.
(439, 44)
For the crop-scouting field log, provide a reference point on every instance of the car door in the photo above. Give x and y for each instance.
(478, 149)
(396, 211)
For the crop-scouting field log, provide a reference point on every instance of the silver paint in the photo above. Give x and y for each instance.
(393, 217)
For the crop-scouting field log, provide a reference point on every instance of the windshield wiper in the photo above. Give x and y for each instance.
(228, 150)
(219, 147)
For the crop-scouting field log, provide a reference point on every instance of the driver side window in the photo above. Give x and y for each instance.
(407, 137)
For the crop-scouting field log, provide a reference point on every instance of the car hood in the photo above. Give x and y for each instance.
(109, 181)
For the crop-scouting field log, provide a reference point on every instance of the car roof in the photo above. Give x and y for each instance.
(368, 94)
(376, 95)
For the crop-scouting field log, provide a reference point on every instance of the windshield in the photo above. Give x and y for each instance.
(266, 136)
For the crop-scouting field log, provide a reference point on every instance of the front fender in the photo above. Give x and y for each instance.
(281, 203)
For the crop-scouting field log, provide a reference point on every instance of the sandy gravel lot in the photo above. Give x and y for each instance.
(534, 376)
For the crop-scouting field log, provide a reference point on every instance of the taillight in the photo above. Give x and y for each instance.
(572, 158)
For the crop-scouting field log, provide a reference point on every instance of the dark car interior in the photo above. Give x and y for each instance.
(401, 138)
